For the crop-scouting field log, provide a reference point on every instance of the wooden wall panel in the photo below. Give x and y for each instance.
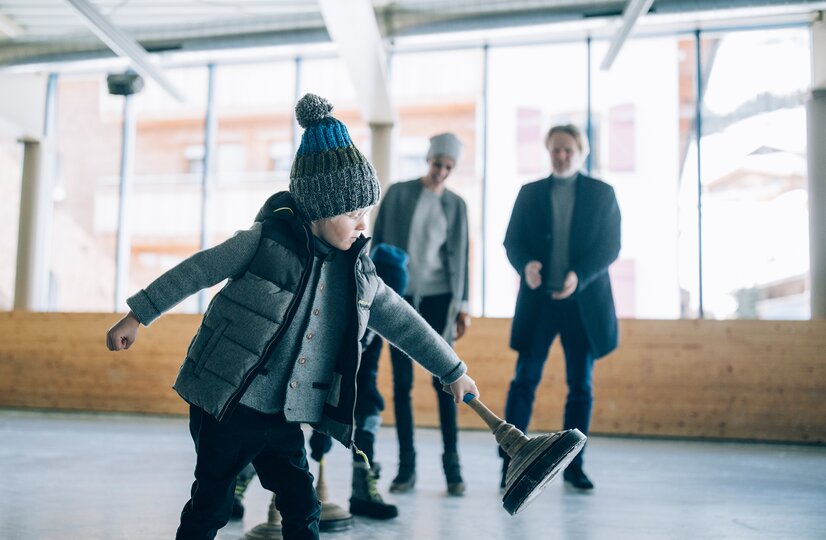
(763, 380)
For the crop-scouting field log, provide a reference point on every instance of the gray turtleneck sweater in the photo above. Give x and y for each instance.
(563, 196)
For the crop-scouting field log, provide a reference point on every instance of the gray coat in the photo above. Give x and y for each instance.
(268, 267)
(393, 227)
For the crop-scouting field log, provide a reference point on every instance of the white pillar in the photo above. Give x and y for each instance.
(31, 288)
(381, 152)
(816, 141)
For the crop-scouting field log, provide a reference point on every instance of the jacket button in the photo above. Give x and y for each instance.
(316, 311)
(321, 287)
(309, 335)
(293, 384)
(302, 360)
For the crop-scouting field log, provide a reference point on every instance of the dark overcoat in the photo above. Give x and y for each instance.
(594, 245)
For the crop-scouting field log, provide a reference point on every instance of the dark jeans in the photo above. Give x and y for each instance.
(434, 310)
(557, 317)
(276, 450)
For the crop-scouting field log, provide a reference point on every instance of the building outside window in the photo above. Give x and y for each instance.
(84, 225)
(753, 165)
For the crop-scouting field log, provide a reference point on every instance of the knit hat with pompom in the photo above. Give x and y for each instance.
(329, 175)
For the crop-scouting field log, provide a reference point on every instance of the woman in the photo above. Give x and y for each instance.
(429, 222)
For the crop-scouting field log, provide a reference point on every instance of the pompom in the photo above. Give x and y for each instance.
(310, 109)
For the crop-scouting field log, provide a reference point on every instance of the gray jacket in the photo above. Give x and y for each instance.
(393, 227)
(268, 268)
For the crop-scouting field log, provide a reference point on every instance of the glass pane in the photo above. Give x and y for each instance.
(165, 204)
(753, 153)
(253, 147)
(11, 164)
(522, 105)
(436, 92)
(254, 106)
(642, 139)
(88, 129)
(329, 78)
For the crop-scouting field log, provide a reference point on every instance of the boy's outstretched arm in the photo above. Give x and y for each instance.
(202, 270)
(123, 334)
(396, 321)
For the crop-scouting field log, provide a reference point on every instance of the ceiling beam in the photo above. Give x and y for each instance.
(352, 26)
(633, 11)
(9, 28)
(123, 45)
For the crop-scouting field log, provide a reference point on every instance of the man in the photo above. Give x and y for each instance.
(563, 234)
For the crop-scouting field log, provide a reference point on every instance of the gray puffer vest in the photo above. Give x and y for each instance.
(246, 319)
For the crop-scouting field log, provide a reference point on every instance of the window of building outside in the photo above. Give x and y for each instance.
(88, 136)
(165, 206)
(753, 159)
(11, 162)
(530, 89)
(253, 146)
(437, 92)
(642, 129)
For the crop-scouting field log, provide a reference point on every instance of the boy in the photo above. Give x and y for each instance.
(391, 267)
(279, 344)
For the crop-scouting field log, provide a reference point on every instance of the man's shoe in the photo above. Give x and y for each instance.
(366, 500)
(577, 478)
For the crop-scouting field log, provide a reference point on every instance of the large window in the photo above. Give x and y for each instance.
(436, 92)
(254, 147)
(642, 118)
(717, 228)
(88, 128)
(11, 160)
(753, 165)
(165, 203)
(523, 103)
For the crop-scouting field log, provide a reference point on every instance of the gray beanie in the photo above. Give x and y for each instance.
(445, 144)
(329, 175)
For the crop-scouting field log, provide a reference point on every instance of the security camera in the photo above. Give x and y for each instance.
(124, 84)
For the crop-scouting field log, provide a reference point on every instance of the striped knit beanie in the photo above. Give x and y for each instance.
(329, 175)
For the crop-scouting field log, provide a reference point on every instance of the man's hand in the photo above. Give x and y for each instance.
(123, 334)
(532, 276)
(568, 288)
(465, 385)
(462, 324)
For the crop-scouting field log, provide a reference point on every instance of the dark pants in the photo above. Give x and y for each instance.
(434, 310)
(555, 317)
(276, 450)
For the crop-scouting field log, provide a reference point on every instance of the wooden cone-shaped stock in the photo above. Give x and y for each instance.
(333, 516)
(534, 461)
(271, 530)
